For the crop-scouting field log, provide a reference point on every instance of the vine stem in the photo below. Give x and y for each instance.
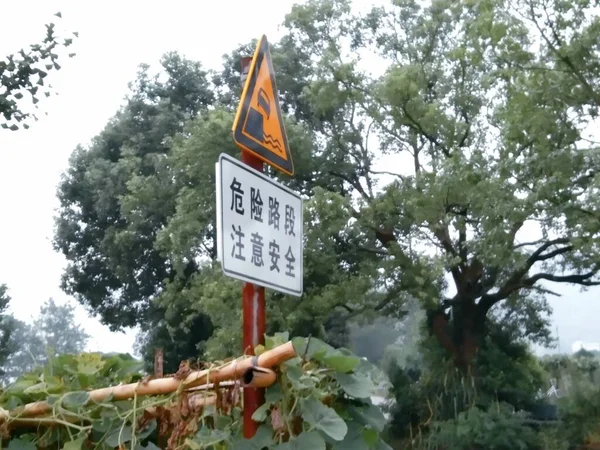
(57, 422)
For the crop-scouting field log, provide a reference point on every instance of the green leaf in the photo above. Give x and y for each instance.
(342, 363)
(305, 441)
(276, 339)
(324, 418)
(370, 436)
(368, 414)
(207, 437)
(294, 374)
(149, 446)
(273, 394)
(75, 444)
(261, 413)
(20, 444)
(262, 438)
(354, 439)
(119, 436)
(382, 445)
(76, 398)
(13, 402)
(223, 422)
(357, 386)
(317, 349)
(37, 388)
(20, 385)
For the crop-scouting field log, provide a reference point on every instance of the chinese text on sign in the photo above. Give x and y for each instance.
(260, 228)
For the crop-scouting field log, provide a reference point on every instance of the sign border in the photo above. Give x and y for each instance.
(262, 52)
(242, 276)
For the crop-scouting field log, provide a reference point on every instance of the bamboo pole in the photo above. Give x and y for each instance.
(229, 371)
(259, 377)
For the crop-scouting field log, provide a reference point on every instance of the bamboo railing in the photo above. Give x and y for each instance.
(242, 367)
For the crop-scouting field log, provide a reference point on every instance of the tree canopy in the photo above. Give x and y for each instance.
(483, 106)
(25, 72)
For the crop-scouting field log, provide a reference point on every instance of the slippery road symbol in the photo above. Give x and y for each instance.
(255, 124)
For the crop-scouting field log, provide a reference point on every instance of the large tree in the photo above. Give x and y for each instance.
(483, 108)
(137, 217)
(495, 183)
(24, 73)
(104, 228)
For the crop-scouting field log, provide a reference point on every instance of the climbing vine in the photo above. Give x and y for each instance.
(321, 400)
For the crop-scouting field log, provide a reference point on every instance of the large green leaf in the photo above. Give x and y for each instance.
(119, 436)
(324, 418)
(355, 385)
(76, 398)
(368, 414)
(20, 444)
(75, 444)
(311, 440)
(354, 439)
(261, 412)
(262, 438)
(317, 349)
(207, 437)
(340, 362)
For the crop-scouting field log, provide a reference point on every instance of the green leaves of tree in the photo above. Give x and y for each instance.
(21, 72)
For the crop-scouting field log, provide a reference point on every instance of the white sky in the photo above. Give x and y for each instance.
(114, 38)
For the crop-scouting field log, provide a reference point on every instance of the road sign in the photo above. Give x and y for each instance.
(258, 126)
(259, 228)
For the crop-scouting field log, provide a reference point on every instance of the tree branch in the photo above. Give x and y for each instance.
(582, 279)
(516, 281)
(417, 126)
(385, 172)
(355, 184)
(346, 307)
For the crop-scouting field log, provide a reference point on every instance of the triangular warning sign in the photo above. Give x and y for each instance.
(258, 126)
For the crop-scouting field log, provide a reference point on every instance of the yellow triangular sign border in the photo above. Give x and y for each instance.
(287, 166)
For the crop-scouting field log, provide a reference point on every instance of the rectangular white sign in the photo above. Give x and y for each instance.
(259, 228)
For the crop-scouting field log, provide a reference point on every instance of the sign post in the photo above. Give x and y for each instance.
(253, 306)
(259, 221)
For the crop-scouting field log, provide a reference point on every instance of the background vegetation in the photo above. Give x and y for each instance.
(437, 269)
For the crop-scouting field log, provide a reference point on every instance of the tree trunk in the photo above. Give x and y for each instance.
(461, 333)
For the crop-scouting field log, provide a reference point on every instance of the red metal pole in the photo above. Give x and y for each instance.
(253, 309)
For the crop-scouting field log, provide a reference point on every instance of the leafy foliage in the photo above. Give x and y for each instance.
(497, 428)
(321, 400)
(461, 175)
(22, 73)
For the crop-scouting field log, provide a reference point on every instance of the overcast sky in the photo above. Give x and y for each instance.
(114, 38)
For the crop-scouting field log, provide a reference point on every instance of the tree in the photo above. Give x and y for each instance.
(53, 332)
(141, 247)
(22, 72)
(117, 195)
(7, 328)
(489, 143)
(491, 129)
